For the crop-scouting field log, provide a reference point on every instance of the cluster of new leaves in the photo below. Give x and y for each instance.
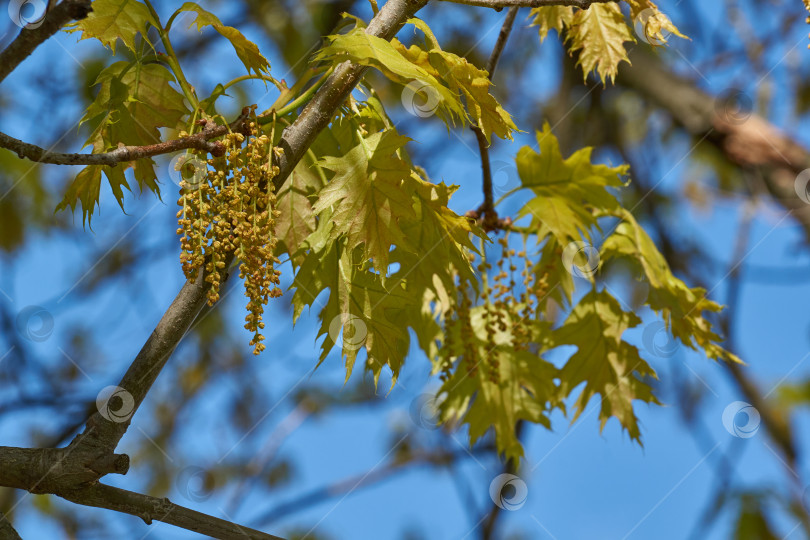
(599, 33)
(570, 199)
(376, 248)
(440, 76)
(136, 98)
(372, 212)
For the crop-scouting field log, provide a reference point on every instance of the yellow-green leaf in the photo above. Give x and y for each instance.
(246, 50)
(599, 33)
(111, 20)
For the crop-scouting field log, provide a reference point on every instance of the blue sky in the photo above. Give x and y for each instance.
(581, 484)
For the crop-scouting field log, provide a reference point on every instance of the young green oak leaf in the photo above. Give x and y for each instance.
(655, 23)
(360, 311)
(568, 191)
(367, 196)
(246, 50)
(523, 390)
(463, 78)
(111, 20)
(134, 100)
(681, 306)
(437, 237)
(362, 48)
(606, 364)
(552, 18)
(599, 33)
(440, 77)
(296, 219)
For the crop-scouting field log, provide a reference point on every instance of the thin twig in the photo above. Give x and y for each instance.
(487, 211)
(200, 141)
(348, 485)
(150, 508)
(30, 38)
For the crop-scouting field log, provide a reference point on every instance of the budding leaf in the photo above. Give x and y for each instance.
(113, 19)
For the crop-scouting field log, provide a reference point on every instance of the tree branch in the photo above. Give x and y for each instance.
(103, 433)
(72, 472)
(298, 137)
(7, 530)
(441, 458)
(746, 140)
(500, 4)
(153, 508)
(200, 141)
(30, 38)
(486, 211)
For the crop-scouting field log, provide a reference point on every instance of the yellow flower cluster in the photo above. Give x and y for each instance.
(505, 308)
(228, 210)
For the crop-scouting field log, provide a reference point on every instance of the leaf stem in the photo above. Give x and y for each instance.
(171, 59)
(250, 77)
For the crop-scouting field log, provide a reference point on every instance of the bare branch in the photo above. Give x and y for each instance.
(442, 458)
(747, 140)
(487, 211)
(200, 141)
(30, 38)
(7, 530)
(49, 470)
(500, 4)
(153, 508)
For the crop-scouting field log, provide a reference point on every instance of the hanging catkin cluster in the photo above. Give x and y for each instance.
(228, 209)
(506, 307)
